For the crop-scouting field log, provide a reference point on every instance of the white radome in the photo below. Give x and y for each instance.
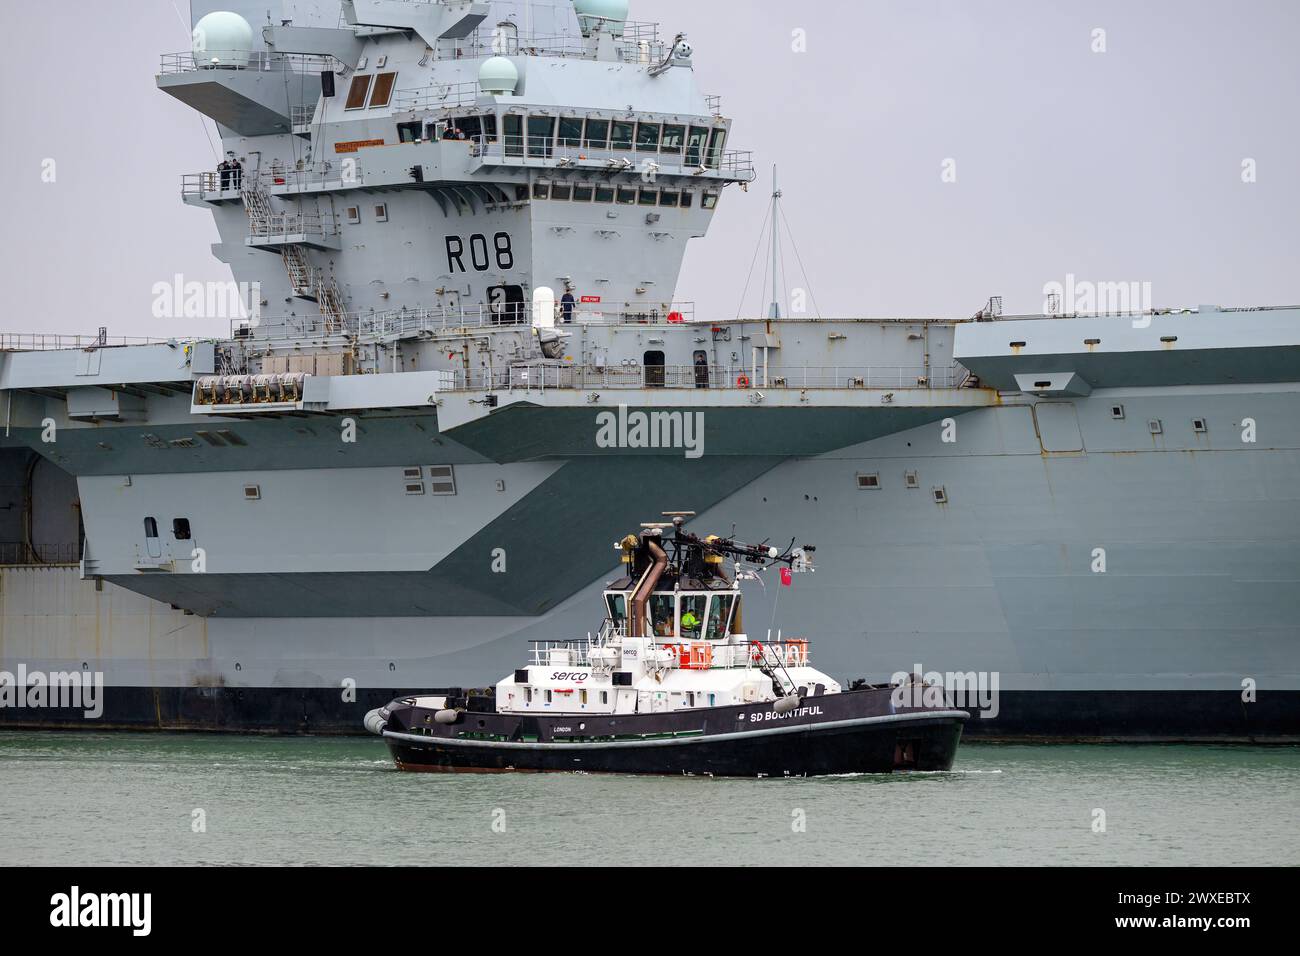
(498, 76)
(222, 39)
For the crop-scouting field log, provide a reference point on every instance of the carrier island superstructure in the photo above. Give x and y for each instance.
(466, 223)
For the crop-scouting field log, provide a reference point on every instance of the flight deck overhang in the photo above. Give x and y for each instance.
(1076, 354)
(523, 425)
(249, 102)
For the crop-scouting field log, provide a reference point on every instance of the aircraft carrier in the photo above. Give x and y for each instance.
(461, 226)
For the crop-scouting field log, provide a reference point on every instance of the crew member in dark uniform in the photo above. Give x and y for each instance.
(566, 307)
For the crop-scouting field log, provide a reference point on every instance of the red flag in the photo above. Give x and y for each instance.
(786, 577)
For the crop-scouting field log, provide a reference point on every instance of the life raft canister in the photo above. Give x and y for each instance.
(742, 381)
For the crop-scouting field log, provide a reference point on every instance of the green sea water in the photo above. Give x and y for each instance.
(143, 799)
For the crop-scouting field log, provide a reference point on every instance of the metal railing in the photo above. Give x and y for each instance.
(413, 323)
(291, 224)
(275, 180)
(46, 341)
(690, 654)
(258, 62)
(637, 43)
(542, 377)
(444, 97)
(523, 150)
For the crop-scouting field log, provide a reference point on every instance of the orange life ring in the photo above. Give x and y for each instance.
(756, 654)
(742, 381)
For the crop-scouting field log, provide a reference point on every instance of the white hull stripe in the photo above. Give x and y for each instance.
(933, 716)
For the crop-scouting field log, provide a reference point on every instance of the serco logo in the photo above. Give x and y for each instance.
(576, 677)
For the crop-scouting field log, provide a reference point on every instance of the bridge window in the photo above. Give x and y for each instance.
(699, 135)
(621, 134)
(604, 194)
(562, 192)
(674, 137)
(541, 190)
(358, 90)
(687, 199)
(597, 134)
(383, 90)
(582, 193)
(570, 132)
(626, 196)
(710, 200)
(541, 136)
(514, 133)
(648, 197)
(408, 132)
(669, 197)
(647, 137)
(716, 142)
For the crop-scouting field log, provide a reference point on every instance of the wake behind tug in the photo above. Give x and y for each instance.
(671, 684)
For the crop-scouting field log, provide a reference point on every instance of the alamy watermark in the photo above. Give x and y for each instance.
(1082, 296)
(966, 690)
(82, 690)
(179, 299)
(626, 429)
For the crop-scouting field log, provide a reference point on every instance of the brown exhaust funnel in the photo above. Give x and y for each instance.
(641, 596)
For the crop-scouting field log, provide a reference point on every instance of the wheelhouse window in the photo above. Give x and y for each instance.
(647, 137)
(570, 132)
(604, 194)
(357, 91)
(648, 197)
(688, 198)
(582, 193)
(597, 134)
(710, 200)
(382, 92)
(622, 134)
(719, 616)
(669, 197)
(626, 196)
(408, 132)
(561, 191)
(541, 190)
(662, 618)
(692, 617)
(541, 136)
(617, 604)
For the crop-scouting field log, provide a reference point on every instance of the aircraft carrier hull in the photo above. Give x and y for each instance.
(1104, 592)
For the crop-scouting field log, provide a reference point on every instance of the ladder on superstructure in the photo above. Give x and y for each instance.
(306, 281)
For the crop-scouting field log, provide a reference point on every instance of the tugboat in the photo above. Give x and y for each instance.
(672, 684)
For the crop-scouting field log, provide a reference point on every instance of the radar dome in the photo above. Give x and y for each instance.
(498, 76)
(222, 39)
(591, 13)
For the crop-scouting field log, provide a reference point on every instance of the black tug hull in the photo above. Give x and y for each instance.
(853, 732)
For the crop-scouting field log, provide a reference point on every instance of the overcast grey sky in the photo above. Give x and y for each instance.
(1117, 166)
